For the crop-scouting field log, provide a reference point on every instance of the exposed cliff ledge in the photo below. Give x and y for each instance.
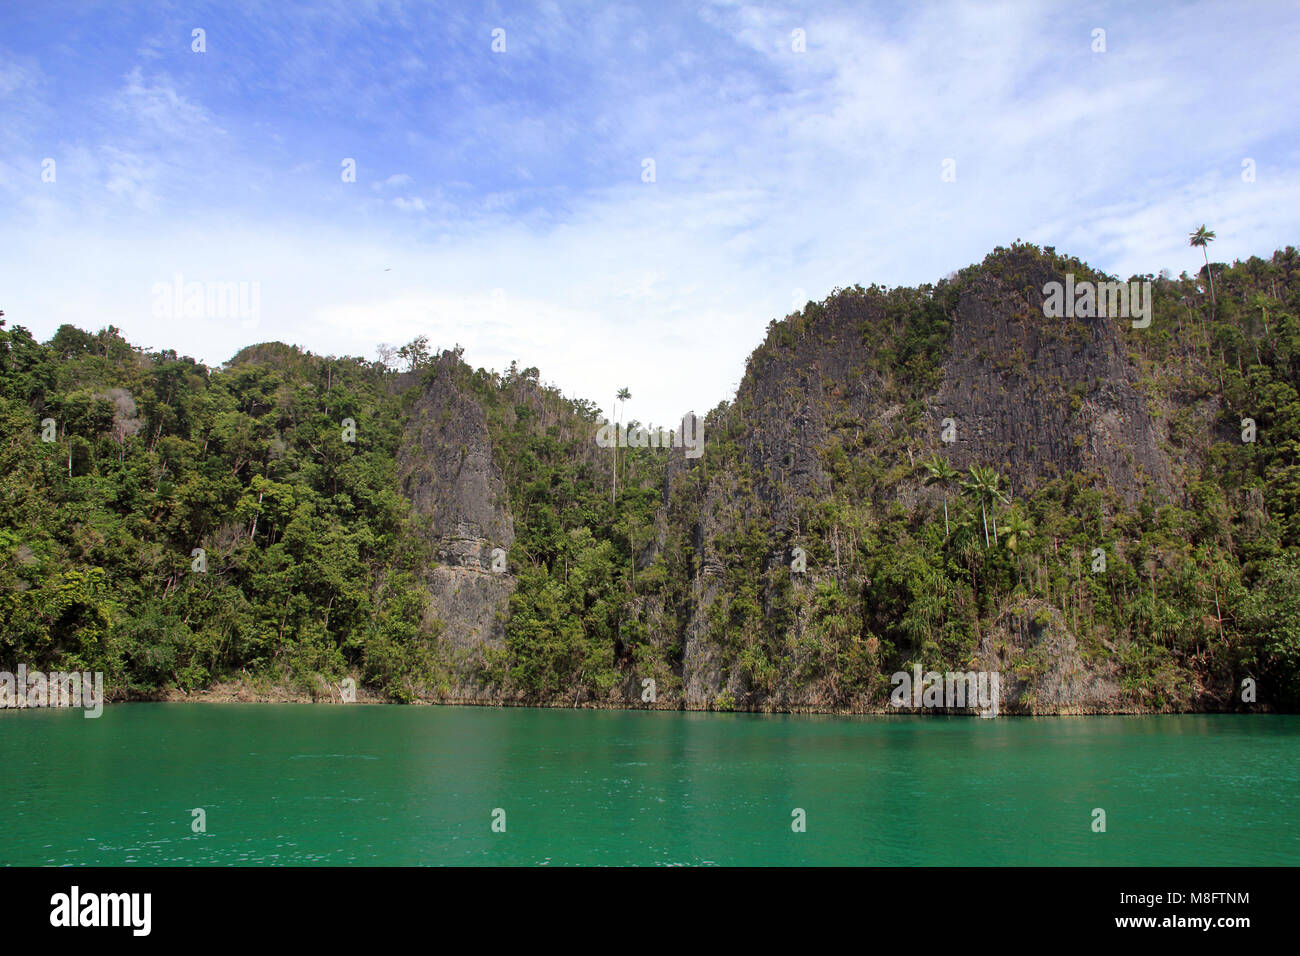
(1035, 398)
(819, 453)
(446, 470)
(1039, 397)
(1114, 522)
(1040, 666)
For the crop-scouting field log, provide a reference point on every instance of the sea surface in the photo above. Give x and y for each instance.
(394, 785)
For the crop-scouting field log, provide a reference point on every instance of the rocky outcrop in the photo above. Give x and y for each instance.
(1038, 397)
(1033, 397)
(843, 399)
(1041, 668)
(446, 470)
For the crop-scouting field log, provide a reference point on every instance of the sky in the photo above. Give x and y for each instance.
(617, 194)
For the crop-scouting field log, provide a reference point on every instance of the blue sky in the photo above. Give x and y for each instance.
(500, 203)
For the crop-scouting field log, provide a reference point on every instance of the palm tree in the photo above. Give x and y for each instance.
(977, 486)
(983, 486)
(1202, 238)
(995, 495)
(944, 474)
(965, 541)
(1019, 529)
(622, 396)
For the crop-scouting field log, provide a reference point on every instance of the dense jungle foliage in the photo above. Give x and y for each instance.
(174, 525)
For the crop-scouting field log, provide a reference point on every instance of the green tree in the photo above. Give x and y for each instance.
(1017, 531)
(983, 487)
(1201, 239)
(944, 475)
(622, 396)
(1270, 616)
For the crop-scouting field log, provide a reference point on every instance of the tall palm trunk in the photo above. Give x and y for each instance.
(1209, 275)
(985, 520)
(620, 422)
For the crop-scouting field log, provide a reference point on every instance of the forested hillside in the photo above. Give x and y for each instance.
(289, 520)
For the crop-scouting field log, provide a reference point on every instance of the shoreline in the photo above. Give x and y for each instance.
(243, 692)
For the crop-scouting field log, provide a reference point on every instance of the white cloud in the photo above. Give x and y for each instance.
(155, 108)
(775, 171)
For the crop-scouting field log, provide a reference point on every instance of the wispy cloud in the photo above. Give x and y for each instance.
(775, 170)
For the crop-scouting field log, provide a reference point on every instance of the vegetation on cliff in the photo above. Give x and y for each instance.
(187, 524)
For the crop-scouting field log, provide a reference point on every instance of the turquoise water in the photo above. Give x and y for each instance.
(299, 784)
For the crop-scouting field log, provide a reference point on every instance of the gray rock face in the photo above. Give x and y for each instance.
(702, 662)
(1033, 397)
(1038, 397)
(1041, 668)
(446, 470)
(471, 604)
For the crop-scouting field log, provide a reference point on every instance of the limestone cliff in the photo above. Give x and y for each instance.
(775, 583)
(447, 471)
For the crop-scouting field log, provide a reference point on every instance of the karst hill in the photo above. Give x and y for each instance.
(1104, 509)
